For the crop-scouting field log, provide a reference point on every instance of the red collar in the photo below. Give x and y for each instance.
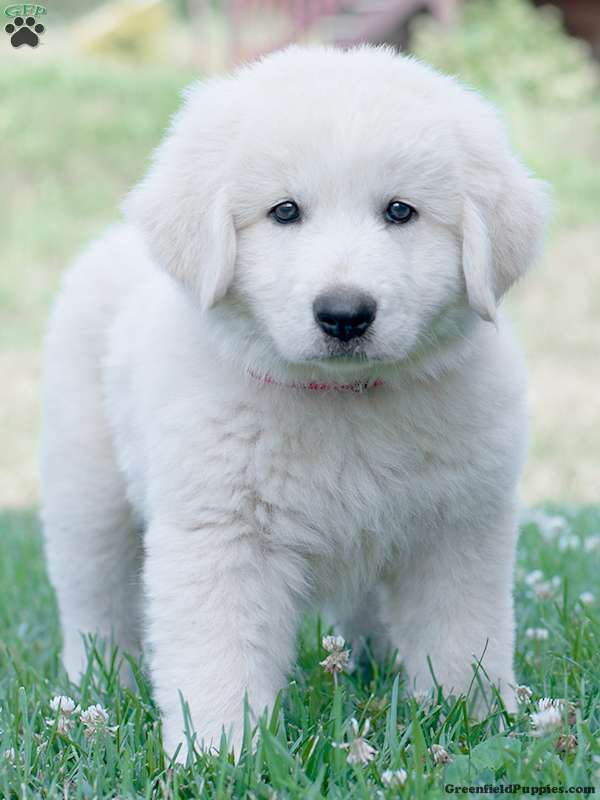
(355, 387)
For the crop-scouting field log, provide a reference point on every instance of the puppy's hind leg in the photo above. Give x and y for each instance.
(93, 549)
(93, 545)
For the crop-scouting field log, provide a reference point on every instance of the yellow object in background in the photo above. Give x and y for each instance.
(131, 29)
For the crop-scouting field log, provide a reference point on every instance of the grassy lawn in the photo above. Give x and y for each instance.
(296, 755)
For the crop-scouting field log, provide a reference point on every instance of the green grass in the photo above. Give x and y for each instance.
(295, 756)
(76, 136)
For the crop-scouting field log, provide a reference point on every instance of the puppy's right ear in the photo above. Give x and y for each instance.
(182, 205)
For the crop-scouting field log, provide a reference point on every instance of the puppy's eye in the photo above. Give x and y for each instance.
(285, 212)
(399, 212)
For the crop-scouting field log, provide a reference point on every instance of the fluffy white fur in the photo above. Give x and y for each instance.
(185, 498)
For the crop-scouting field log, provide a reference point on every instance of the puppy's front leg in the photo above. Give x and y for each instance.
(221, 623)
(450, 603)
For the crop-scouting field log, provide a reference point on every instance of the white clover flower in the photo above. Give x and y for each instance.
(95, 720)
(10, 756)
(65, 705)
(439, 754)
(569, 542)
(550, 702)
(560, 705)
(359, 750)
(534, 577)
(548, 525)
(63, 724)
(523, 694)
(551, 526)
(547, 719)
(537, 634)
(65, 709)
(94, 715)
(587, 598)
(394, 779)
(591, 543)
(422, 696)
(333, 643)
(544, 590)
(338, 659)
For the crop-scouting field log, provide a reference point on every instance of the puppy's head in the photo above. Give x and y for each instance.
(340, 209)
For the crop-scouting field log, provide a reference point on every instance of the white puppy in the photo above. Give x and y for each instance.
(280, 386)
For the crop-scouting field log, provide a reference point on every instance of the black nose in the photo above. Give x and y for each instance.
(344, 314)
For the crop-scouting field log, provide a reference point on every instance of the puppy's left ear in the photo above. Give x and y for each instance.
(503, 225)
(182, 205)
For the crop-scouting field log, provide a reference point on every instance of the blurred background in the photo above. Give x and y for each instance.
(81, 113)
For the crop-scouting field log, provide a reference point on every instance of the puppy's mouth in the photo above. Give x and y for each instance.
(344, 356)
(346, 352)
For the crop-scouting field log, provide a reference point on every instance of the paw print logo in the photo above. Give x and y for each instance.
(24, 32)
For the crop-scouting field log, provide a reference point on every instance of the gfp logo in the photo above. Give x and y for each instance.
(25, 10)
(24, 28)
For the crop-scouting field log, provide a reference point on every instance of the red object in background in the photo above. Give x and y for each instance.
(342, 22)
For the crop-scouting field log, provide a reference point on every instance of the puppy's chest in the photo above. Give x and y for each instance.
(343, 479)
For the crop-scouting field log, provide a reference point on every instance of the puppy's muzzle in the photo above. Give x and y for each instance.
(344, 314)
